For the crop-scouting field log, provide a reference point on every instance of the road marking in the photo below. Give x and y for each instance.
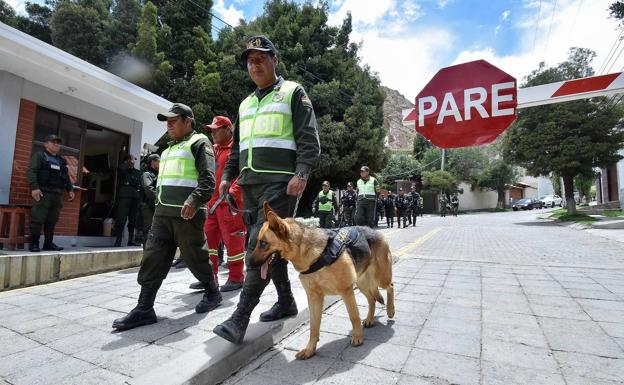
(419, 241)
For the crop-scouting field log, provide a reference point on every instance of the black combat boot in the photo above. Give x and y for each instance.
(131, 241)
(117, 241)
(48, 237)
(211, 300)
(142, 314)
(233, 329)
(285, 305)
(35, 234)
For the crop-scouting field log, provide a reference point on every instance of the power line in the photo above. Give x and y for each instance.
(551, 23)
(539, 16)
(611, 51)
(614, 61)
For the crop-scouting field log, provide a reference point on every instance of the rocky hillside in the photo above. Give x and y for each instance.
(398, 137)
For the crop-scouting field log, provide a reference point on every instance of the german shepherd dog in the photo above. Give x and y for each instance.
(303, 246)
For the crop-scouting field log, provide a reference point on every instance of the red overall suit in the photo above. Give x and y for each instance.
(224, 225)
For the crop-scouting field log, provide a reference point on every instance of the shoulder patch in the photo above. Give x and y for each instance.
(306, 100)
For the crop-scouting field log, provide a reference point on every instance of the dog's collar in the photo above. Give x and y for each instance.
(336, 244)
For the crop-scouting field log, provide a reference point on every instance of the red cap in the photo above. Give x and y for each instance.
(218, 121)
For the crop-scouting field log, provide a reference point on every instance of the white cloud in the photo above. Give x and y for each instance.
(230, 14)
(505, 15)
(18, 5)
(443, 3)
(362, 11)
(587, 27)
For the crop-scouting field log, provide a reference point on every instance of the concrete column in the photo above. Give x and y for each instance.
(10, 93)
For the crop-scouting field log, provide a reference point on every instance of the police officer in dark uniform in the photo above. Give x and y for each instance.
(389, 208)
(128, 199)
(379, 210)
(414, 204)
(347, 202)
(47, 176)
(185, 184)
(325, 206)
(271, 169)
(402, 204)
(148, 182)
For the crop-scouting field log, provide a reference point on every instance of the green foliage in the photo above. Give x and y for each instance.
(566, 138)
(616, 10)
(562, 215)
(400, 166)
(466, 163)
(555, 179)
(497, 176)
(431, 159)
(420, 145)
(613, 213)
(7, 14)
(583, 183)
(439, 181)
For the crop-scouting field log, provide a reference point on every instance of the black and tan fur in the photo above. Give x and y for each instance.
(302, 246)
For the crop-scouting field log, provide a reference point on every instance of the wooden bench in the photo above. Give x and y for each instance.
(13, 222)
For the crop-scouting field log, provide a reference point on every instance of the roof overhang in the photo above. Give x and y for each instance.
(46, 65)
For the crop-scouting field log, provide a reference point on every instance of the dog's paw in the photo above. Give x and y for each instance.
(390, 311)
(357, 340)
(367, 323)
(304, 354)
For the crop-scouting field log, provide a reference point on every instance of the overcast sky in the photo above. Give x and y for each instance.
(407, 41)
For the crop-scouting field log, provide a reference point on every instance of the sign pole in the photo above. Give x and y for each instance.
(443, 156)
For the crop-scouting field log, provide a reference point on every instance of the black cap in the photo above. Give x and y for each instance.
(258, 43)
(364, 168)
(153, 157)
(53, 138)
(177, 109)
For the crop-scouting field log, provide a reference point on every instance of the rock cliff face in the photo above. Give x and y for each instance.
(398, 137)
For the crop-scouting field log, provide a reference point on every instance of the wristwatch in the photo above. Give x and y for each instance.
(302, 175)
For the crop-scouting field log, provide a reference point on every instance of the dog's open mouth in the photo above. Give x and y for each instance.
(264, 269)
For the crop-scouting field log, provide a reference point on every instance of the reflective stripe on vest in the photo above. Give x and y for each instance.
(266, 124)
(327, 206)
(177, 177)
(366, 188)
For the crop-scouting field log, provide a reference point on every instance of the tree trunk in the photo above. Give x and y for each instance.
(500, 204)
(568, 186)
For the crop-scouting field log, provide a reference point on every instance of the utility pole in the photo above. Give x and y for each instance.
(443, 156)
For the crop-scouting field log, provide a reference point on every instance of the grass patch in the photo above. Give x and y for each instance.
(563, 216)
(613, 214)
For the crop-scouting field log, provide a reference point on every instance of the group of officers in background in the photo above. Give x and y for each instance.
(364, 206)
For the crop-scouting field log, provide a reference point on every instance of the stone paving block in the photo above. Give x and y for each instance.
(566, 312)
(23, 361)
(151, 333)
(55, 332)
(583, 369)
(601, 304)
(461, 344)
(454, 325)
(104, 352)
(416, 297)
(284, 366)
(97, 376)
(404, 318)
(496, 288)
(558, 291)
(614, 329)
(257, 379)
(412, 307)
(86, 340)
(44, 303)
(185, 339)
(445, 299)
(442, 366)
(406, 379)
(518, 354)
(55, 372)
(549, 300)
(133, 363)
(593, 294)
(520, 334)
(495, 373)
(417, 288)
(101, 320)
(12, 343)
(383, 356)
(455, 311)
(389, 332)
(80, 312)
(605, 315)
(509, 305)
(28, 326)
(579, 336)
(330, 345)
(346, 373)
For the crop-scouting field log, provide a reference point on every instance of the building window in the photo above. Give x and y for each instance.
(72, 133)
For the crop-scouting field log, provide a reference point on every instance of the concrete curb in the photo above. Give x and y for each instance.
(217, 359)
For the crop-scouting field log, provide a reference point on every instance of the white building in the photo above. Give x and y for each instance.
(98, 115)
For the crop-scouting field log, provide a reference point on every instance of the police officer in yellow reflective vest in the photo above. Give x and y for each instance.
(325, 205)
(184, 185)
(367, 188)
(275, 147)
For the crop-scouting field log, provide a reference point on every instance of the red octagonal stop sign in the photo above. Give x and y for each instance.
(466, 105)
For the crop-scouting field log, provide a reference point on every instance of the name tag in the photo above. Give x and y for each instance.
(55, 167)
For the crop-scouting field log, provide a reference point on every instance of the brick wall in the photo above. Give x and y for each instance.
(20, 191)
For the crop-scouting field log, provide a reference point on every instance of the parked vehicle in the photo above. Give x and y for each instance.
(527, 204)
(552, 200)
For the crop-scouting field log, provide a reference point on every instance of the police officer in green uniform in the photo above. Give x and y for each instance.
(47, 176)
(148, 182)
(275, 147)
(128, 199)
(185, 183)
(349, 198)
(325, 205)
(367, 188)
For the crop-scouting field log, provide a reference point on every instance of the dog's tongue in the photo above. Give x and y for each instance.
(264, 269)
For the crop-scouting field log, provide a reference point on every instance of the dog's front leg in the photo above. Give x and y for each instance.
(315, 305)
(354, 315)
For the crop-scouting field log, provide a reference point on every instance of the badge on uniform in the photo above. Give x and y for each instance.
(55, 167)
(278, 97)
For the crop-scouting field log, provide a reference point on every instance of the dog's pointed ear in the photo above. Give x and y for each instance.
(277, 224)
(267, 210)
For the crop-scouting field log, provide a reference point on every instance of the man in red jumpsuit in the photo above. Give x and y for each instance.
(224, 222)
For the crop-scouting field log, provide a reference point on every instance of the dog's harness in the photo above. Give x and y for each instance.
(339, 240)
